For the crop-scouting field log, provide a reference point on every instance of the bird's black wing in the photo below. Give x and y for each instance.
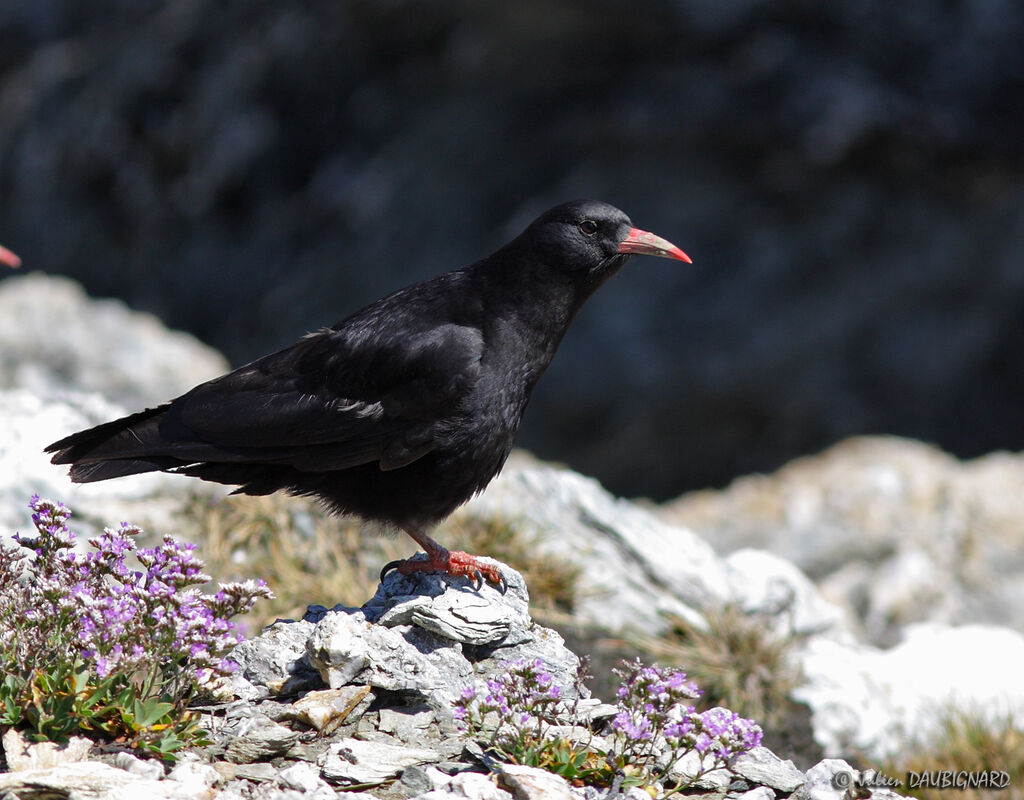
(340, 398)
(350, 395)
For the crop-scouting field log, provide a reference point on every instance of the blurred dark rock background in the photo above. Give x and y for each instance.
(849, 179)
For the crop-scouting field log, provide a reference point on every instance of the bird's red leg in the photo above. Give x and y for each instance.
(441, 559)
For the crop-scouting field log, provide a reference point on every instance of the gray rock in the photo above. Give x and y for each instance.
(406, 724)
(893, 530)
(762, 766)
(277, 657)
(531, 783)
(83, 780)
(830, 779)
(449, 608)
(353, 761)
(258, 772)
(468, 785)
(345, 648)
(255, 738)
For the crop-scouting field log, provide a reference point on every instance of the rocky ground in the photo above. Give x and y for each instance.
(893, 568)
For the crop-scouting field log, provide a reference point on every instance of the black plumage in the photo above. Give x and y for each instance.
(402, 411)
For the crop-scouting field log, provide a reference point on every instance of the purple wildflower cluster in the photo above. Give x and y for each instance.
(654, 712)
(650, 699)
(656, 724)
(94, 608)
(523, 700)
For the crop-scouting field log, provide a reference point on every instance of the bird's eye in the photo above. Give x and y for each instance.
(589, 227)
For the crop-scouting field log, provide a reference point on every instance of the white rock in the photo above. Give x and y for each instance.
(469, 785)
(27, 425)
(193, 774)
(686, 768)
(301, 776)
(345, 648)
(762, 766)
(144, 768)
(759, 793)
(23, 756)
(483, 616)
(531, 783)
(834, 779)
(53, 338)
(338, 647)
(85, 780)
(634, 568)
(356, 761)
(872, 701)
(761, 582)
(891, 529)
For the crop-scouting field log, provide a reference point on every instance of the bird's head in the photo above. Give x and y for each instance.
(592, 240)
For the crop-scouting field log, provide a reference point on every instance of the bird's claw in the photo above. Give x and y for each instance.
(457, 564)
(390, 566)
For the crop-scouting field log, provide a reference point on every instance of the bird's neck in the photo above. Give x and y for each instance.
(529, 306)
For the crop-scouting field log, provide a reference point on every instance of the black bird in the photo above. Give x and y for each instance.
(402, 411)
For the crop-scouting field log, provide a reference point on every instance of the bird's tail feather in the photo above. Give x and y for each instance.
(113, 449)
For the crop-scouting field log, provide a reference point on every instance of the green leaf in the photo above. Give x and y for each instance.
(150, 712)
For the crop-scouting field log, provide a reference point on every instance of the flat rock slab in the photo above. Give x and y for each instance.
(353, 761)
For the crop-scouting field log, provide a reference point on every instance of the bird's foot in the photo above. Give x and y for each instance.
(451, 562)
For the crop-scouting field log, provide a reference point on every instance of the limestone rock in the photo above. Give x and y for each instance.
(277, 657)
(831, 779)
(80, 780)
(352, 761)
(531, 783)
(762, 766)
(22, 756)
(635, 568)
(467, 785)
(100, 346)
(255, 738)
(482, 616)
(872, 701)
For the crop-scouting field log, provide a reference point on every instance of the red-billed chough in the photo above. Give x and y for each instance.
(402, 411)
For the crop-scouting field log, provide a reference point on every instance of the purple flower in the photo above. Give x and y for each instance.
(637, 728)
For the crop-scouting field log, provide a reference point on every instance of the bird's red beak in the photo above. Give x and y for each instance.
(644, 243)
(8, 258)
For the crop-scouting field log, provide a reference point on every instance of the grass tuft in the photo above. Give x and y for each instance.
(968, 743)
